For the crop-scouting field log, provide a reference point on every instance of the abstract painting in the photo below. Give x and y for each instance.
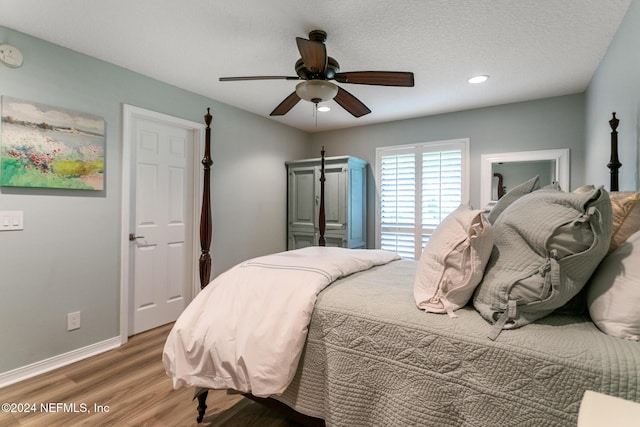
(50, 147)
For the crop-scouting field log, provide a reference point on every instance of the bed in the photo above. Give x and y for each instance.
(362, 352)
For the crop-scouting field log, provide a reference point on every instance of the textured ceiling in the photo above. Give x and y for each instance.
(530, 48)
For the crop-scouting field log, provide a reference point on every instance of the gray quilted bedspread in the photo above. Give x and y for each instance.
(373, 359)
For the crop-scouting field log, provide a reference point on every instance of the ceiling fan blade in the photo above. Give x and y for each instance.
(351, 103)
(381, 78)
(287, 104)
(314, 54)
(234, 79)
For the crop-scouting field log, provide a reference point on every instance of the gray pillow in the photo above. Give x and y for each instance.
(546, 246)
(512, 195)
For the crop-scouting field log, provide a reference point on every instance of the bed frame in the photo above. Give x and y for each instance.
(205, 270)
(205, 257)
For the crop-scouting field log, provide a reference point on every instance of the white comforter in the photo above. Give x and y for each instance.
(246, 329)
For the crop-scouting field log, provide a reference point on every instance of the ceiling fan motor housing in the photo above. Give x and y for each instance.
(329, 73)
(318, 36)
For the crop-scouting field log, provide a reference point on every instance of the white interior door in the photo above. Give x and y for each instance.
(161, 241)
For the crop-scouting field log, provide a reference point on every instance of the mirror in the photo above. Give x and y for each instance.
(500, 172)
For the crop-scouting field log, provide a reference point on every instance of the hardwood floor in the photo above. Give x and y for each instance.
(126, 386)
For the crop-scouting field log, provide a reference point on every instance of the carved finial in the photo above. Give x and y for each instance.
(208, 117)
(614, 122)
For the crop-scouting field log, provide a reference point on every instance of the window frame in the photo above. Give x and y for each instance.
(418, 148)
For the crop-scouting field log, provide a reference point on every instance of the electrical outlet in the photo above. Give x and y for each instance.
(73, 321)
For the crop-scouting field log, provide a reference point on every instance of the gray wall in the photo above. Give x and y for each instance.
(67, 258)
(534, 125)
(616, 87)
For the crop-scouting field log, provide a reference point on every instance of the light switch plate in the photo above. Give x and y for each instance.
(11, 220)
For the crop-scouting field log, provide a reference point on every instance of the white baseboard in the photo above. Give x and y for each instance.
(37, 368)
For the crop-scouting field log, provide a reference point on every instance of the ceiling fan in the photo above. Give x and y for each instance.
(316, 69)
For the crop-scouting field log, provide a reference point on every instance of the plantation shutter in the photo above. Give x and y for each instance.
(397, 208)
(418, 187)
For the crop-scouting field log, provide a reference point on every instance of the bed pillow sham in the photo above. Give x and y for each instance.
(613, 293)
(626, 216)
(512, 195)
(547, 245)
(625, 208)
(453, 261)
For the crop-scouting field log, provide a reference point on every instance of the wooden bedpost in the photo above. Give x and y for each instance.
(614, 164)
(205, 215)
(321, 217)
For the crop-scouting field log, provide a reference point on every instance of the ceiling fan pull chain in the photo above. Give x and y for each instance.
(315, 113)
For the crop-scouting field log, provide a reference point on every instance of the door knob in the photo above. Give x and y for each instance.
(133, 237)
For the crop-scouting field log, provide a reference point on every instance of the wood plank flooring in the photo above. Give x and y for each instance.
(127, 386)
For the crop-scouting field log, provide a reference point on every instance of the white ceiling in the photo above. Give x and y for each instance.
(530, 48)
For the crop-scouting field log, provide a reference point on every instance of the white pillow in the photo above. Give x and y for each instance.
(613, 293)
(453, 261)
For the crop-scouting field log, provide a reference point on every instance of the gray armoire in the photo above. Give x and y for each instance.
(345, 202)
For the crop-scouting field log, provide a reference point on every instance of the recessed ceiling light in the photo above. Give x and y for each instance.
(478, 79)
(324, 109)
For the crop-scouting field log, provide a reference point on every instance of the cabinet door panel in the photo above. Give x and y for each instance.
(302, 187)
(335, 241)
(301, 239)
(335, 197)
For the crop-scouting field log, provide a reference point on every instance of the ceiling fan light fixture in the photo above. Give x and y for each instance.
(316, 90)
(478, 79)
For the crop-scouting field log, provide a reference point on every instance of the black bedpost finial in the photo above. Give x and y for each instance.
(614, 164)
(208, 117)
(614, 122)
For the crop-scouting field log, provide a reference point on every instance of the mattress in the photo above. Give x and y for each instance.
(373, 359)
